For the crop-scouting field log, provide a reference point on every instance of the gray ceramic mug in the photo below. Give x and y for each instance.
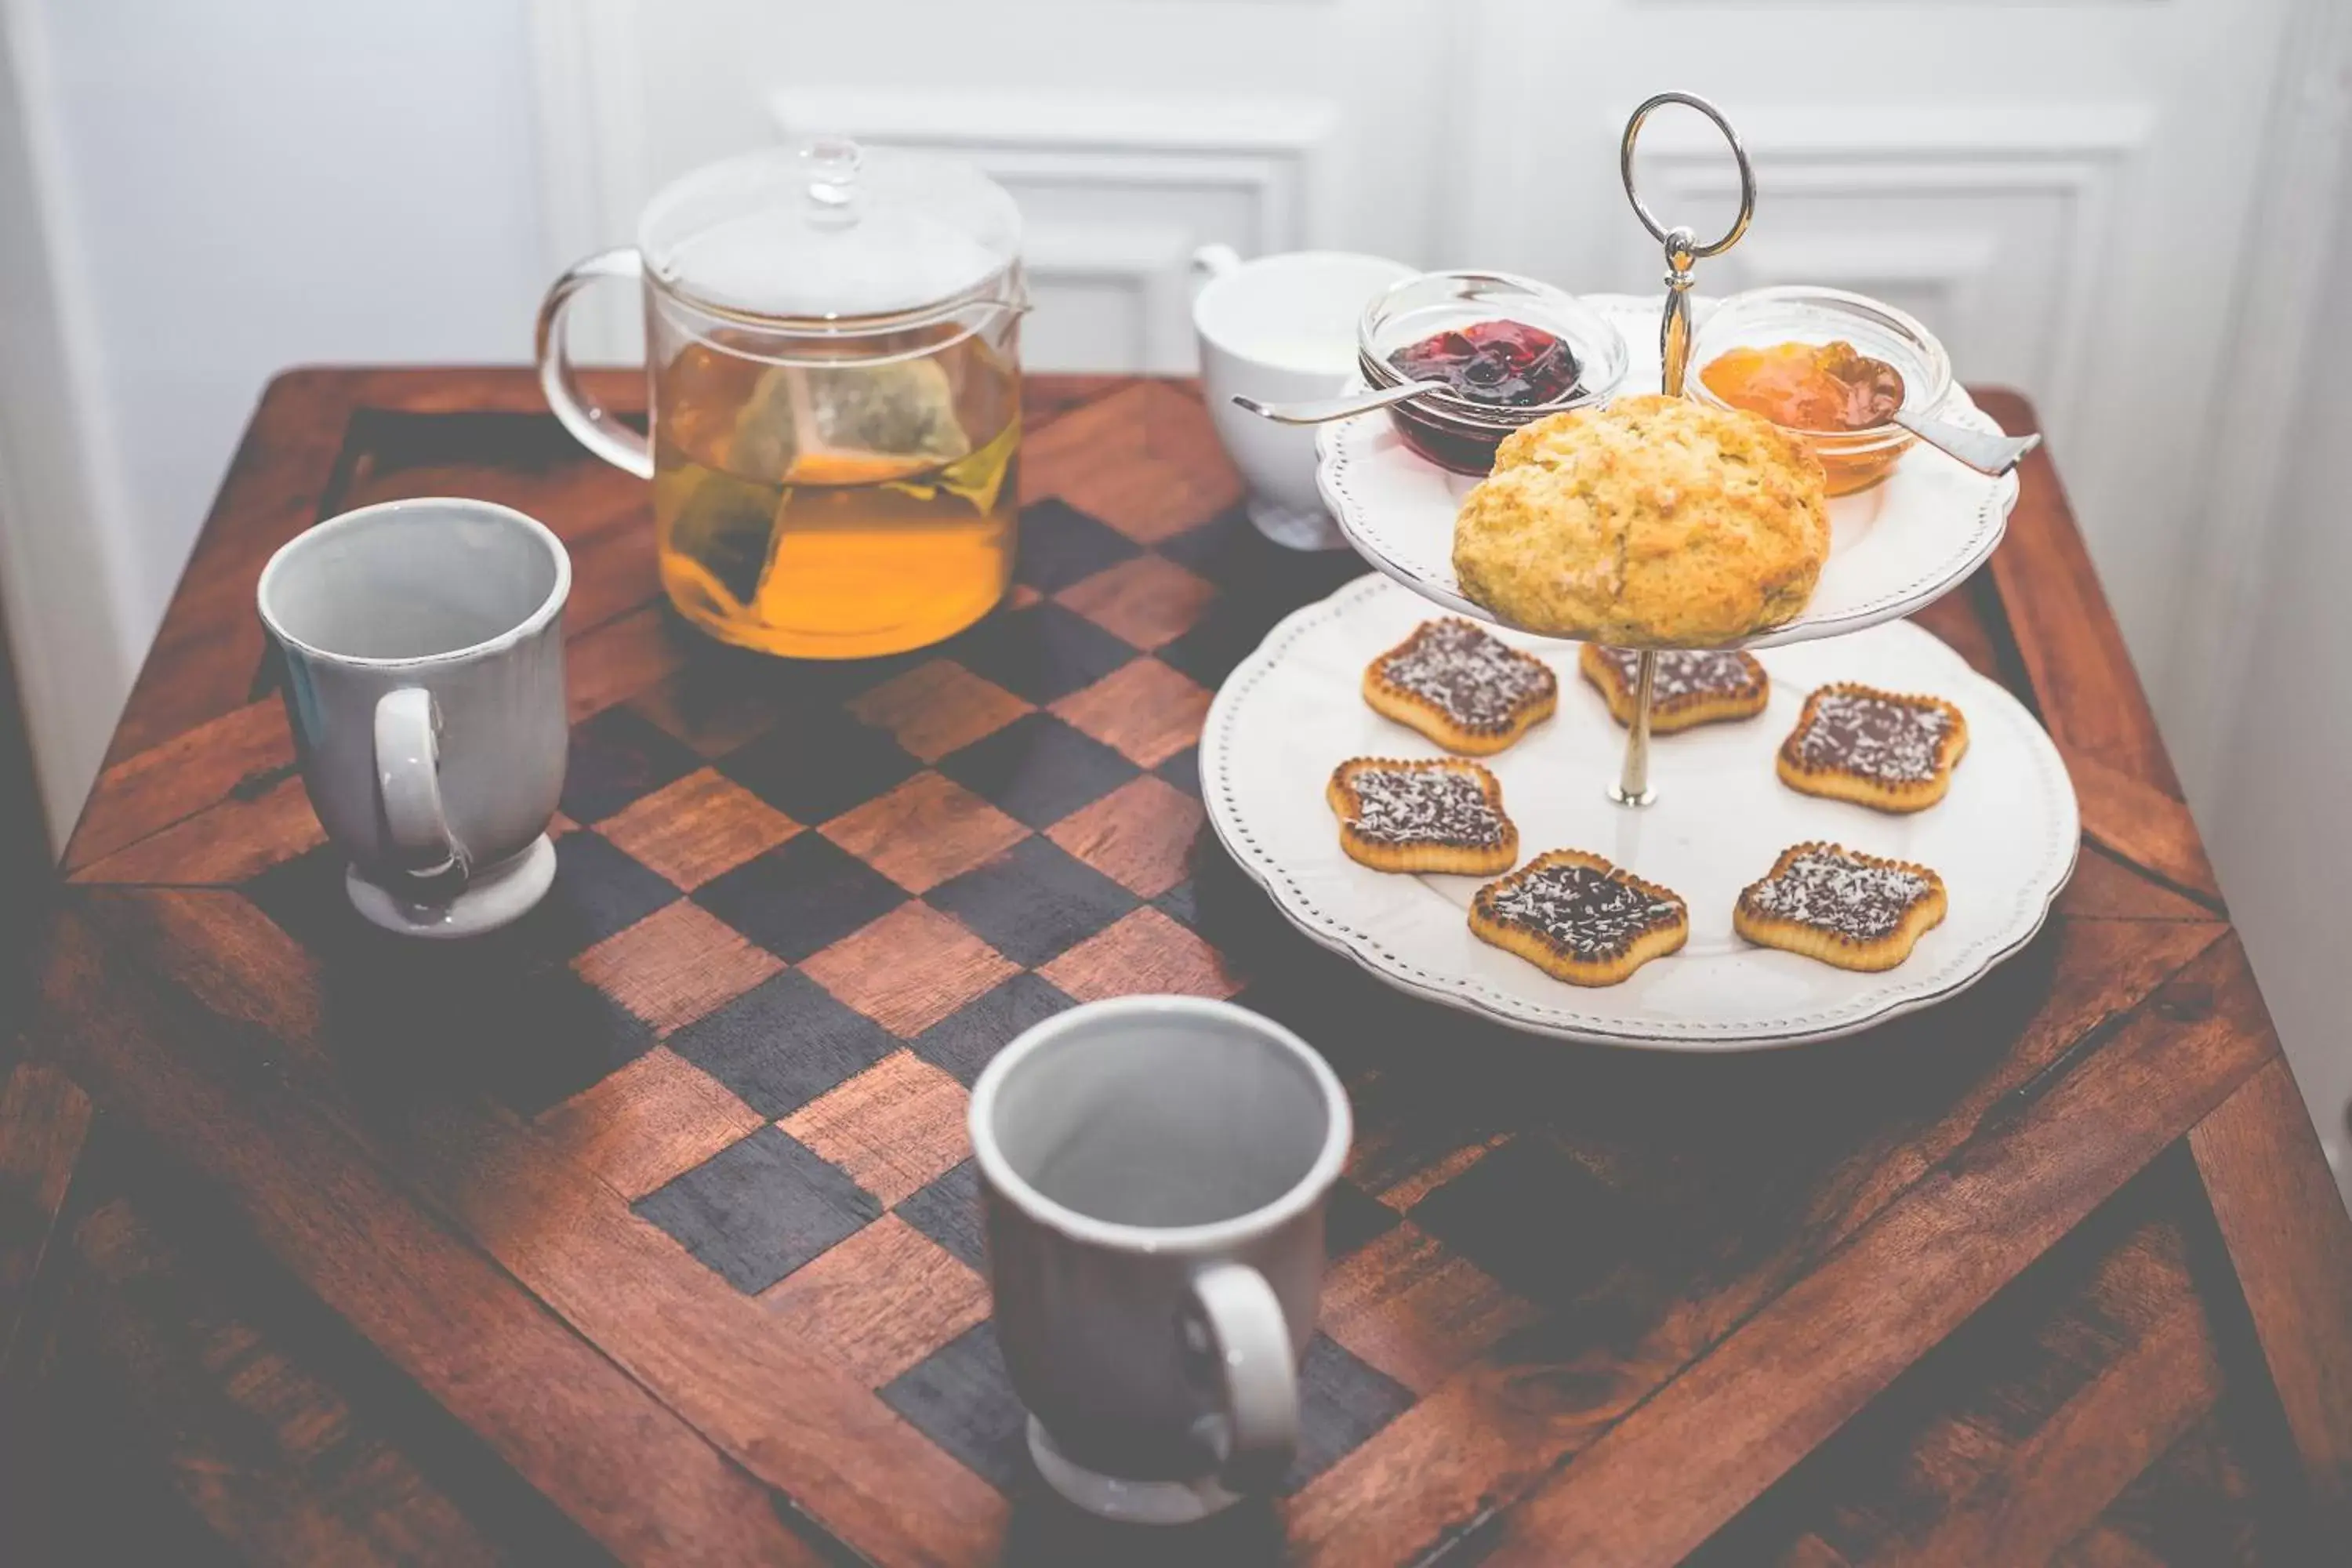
(1154, 1174)
(424, 646)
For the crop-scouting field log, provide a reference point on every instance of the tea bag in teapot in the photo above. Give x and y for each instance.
(852, 424)
(722, 530)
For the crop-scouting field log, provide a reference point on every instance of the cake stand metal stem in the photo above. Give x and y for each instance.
(1633, 785)
(1683, 250)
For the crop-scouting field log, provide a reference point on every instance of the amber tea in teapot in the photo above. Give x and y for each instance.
(836, 416)
(831, 511)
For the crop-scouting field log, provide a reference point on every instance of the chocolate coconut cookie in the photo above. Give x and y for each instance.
(1841, 906)
(1465, 688)
(1874, 748)
(1423, 816)
(1691, 688)
(1579, 918)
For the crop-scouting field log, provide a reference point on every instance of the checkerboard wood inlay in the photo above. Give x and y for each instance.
(801, 907)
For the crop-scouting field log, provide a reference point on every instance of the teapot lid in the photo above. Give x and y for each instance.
(830, 230)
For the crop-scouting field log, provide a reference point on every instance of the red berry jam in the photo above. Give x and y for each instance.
(1505, 364)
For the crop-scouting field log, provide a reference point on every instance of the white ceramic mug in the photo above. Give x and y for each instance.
(1153, 1172)
(424, 646)
(1281, 329)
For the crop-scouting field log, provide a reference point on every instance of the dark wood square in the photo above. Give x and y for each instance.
(1343, 1401)
(1352, 1218)
(1182, 904)
(948, 1211)
(1227, 632)
(1227, 550)
(1037, 769)
(1060, 546)
(598, 890)
(1231, 552)
(1183, 770)
(1536, 1220)
(960, 1397)
(819, 761)
(531, 1041)
(760, 1208)
(783, 1042)
(1033, 902)
(619, 757)
(1040, 653)
(801, 897)
(305, 897)
(963, 1041)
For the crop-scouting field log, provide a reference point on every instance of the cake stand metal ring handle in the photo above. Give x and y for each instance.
(1658, 231)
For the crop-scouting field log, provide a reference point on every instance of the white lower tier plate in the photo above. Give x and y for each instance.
(1898, 545)
(2003, 840)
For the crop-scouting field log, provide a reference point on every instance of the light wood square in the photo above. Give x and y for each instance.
(675, 965)
(910, 969)
(892, 1128)
(698, 827)
(1143, 709)
(924, 832)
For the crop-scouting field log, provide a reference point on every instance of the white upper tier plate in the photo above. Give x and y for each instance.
(2003, 840)
(1895, 547)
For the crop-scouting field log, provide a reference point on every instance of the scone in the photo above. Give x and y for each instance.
(1444, 816)
(1874, 748)
(1842, 907)
(1653, 521)
(1691, 688)
(1579, 918)
(1464, 688)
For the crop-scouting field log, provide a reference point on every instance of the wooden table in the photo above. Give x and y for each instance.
(657, 1209)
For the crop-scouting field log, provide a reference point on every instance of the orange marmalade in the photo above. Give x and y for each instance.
(1827, 393)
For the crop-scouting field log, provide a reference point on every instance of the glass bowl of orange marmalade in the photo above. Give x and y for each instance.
(1830, 367)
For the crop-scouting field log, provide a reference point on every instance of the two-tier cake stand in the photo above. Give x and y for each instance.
(1700, 812)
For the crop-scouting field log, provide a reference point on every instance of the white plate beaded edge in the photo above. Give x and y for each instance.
(1964, 968)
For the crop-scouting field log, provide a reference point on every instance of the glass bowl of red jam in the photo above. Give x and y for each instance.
(1829, 366)
(1509, 350)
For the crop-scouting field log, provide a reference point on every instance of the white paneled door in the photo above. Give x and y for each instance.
(2062, 190)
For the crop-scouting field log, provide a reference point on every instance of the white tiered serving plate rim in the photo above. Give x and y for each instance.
(1397, 509)
(2006, 840)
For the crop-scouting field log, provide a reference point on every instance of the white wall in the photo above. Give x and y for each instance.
(2278, 821)
(244, 185)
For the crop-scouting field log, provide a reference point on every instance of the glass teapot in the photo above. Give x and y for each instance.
(831, 338)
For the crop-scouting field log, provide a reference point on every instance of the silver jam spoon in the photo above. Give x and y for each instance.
(1324, 410)
(1994, 455)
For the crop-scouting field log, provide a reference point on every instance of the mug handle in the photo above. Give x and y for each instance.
(595, 428)
(409, 782)
(1215, 259)
(1248, 1339)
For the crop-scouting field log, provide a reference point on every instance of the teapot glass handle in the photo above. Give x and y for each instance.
(595, 427)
